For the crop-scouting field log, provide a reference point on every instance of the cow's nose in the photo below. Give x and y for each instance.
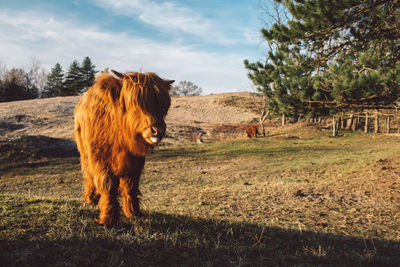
(154, 131)
(157, 131)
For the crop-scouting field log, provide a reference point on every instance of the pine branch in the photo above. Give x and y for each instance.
(364, 69)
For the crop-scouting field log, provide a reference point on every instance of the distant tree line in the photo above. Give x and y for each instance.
(20, 84)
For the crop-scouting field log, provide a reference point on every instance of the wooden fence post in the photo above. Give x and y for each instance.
(349, 121)
(366, 122)
(398, 121)
(398, 126)
(333, 126)
(354, 123)
(342, 115)
(376, 128)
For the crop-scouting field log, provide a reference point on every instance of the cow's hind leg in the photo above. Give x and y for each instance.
(108, 203)
(90, 194)
(129, 189)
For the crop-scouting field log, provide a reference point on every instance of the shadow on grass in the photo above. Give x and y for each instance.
(41, 166)
(30, 152)
(37, 147)
(171, 240)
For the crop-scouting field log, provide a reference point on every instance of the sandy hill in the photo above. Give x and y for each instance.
(189, 117)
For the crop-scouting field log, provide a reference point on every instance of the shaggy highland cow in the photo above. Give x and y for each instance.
(252, 131)
(117, 121)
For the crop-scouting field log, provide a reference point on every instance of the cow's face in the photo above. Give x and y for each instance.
(146, 101)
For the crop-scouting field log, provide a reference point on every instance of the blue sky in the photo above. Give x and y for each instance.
(202, 41)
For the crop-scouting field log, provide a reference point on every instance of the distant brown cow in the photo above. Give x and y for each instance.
(252, 131)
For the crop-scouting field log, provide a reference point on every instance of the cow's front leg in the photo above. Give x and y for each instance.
(129, 188)
(108, 203)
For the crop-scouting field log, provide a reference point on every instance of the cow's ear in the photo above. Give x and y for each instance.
(118, 74)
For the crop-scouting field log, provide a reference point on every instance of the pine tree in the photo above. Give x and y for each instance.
(74, 81)
(330, 56)
(88, 72)
(281, 79)
(55, 82)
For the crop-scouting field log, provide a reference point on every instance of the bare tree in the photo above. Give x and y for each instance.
(16, 76)
(186, 88)
(14, 86)
(264, 115)
(36, 76)
(3, 70)
(22, 83)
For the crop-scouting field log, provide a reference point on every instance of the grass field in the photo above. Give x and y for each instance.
(279, 200)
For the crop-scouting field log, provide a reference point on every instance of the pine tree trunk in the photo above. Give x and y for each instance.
(263, 117)
(334, 129)
(354, 124)
(342, 120)
(398, 126)
(338, 123)
(385, 125)
(349, 122)
(376, 128)
(263, 129)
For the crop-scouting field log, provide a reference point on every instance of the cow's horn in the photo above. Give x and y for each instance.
(116, 73)
(169, 81)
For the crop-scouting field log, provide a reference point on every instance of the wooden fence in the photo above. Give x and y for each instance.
(377, 121)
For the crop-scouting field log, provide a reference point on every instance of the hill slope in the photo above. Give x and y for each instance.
(188, 115)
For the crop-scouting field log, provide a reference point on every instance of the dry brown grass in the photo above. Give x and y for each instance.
(297, 197)
(287, 199)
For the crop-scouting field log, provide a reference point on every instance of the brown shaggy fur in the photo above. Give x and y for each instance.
(252, 131)
(117, 121)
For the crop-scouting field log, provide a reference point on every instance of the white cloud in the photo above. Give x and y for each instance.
(171, 17)
(25, 35)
